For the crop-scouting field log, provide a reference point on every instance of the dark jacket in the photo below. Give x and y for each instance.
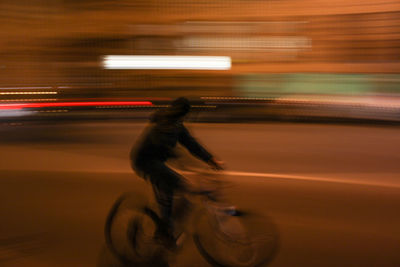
(159, 140)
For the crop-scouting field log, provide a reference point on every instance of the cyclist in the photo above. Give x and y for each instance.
(155, 147)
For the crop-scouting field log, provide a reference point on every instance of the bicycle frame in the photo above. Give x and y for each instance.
(210, 221)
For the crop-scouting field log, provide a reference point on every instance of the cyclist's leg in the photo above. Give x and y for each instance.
(164, 194)
(165, 183)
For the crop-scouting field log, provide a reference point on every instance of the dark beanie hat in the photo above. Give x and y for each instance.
(180, 106)
(177, 109)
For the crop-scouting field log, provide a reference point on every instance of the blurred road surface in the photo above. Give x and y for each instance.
(332, 190)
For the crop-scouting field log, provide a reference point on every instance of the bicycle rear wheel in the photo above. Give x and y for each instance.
(129, 234)
(235, 241)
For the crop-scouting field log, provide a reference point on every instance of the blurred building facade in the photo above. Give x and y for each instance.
(61, 43)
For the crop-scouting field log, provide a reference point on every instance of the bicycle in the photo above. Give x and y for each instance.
(222, 234)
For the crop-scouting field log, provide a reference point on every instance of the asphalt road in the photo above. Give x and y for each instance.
(332, 190)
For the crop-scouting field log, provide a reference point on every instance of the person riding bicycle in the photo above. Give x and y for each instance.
(156, 146)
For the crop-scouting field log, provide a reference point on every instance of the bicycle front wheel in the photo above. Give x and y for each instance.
(235, 241)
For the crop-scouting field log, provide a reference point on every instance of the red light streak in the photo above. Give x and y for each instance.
(75, 104)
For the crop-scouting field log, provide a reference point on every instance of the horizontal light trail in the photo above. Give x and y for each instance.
(29, 100)
(236, 98)
(309, 178)
(295, 177)
(167, 62)
(28, 93)
(25, 87)
(75, 104)
(199, 171)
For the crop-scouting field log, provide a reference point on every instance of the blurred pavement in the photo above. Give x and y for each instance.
(332, 190)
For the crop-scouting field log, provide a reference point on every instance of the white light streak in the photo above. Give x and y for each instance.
(167, 62)
(235, 98)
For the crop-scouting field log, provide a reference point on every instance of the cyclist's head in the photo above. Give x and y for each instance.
(175, 112)
(180, 107)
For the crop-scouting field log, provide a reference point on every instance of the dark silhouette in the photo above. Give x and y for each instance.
(155, 147)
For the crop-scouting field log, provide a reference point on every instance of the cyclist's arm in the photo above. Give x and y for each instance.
(187, 140)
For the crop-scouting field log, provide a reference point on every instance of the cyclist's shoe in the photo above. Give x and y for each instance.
(172, 242)
(166, 239)
(180, 238)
